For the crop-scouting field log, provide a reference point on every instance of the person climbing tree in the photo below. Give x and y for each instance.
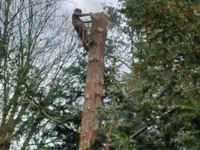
(79, 26)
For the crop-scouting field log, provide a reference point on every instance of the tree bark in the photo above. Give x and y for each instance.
(94, 81)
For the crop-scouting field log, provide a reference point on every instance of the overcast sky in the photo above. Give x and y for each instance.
(88, 5)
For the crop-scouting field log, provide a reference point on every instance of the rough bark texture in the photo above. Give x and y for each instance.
(94, 81)
(6, 133)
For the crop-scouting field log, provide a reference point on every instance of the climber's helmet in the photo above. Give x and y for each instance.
(78, 10)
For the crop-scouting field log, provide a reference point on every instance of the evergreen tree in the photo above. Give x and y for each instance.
(164, 74)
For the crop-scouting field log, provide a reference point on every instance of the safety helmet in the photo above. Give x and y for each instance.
(78, 10)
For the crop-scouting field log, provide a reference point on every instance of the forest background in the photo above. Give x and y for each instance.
(151, 76)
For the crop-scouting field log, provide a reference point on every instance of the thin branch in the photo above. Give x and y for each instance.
(31, 100)
(110, 131)
(164, 115)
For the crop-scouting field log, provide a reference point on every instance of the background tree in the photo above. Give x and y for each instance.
(164, 69)
(34, 83)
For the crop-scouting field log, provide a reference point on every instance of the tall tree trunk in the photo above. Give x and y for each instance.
(94, 81)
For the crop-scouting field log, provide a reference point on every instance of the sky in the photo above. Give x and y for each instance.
(89, 5)
(93, 5)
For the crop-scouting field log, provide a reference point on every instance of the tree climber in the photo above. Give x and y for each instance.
(79, 26)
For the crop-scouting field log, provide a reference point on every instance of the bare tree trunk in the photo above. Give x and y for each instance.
(94, 81)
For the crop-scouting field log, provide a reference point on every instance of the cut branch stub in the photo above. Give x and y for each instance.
(100, 29)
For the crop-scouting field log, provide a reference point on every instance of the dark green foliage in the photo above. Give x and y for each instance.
(165, 68)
